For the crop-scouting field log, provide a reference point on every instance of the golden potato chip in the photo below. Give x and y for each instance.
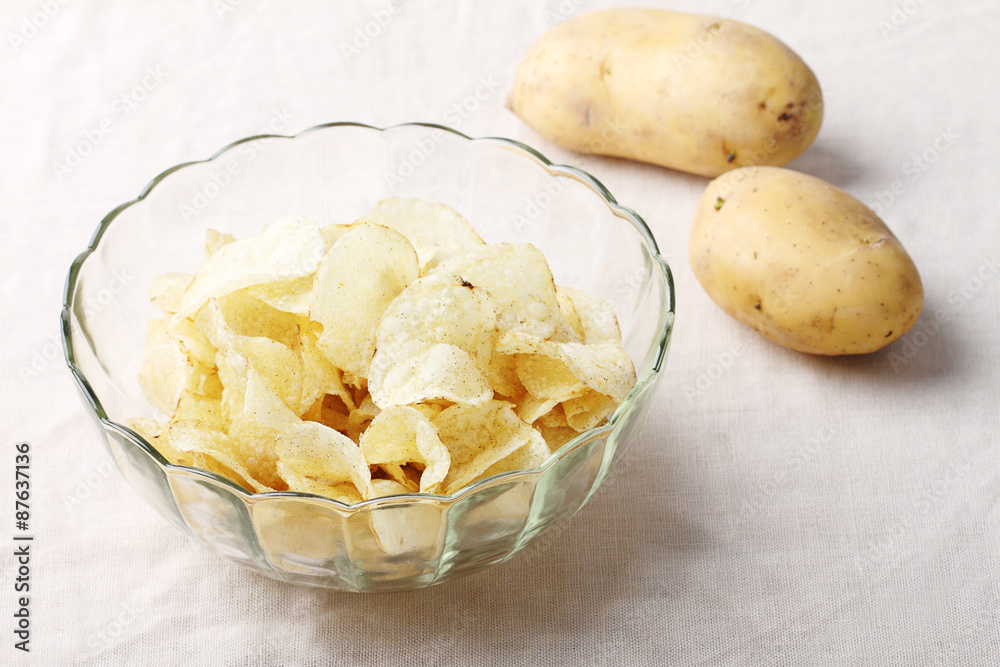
(401, 435)
(247, 315)
(605, 367)
(277, 364)
(255, 415)
(502, 374)
(358, 278)
(319, 376)
(394, 355)
(478, 436)
(322, 454)
(531, 455)
(598, 323)
(556, 436)
(530, 408)
(569, 329)
(166, 371)
(588, 410)
(167, 291)
(441, 372)
(434, 342)
(547, 377)
(153, 432)
(516, 277)
(288, 296)
(290, 248)
(387, 487)
(435, 231)
(215, 239)
(332, 233)
(201, 408)
(193, 342)
(213, 451)
(345, 492)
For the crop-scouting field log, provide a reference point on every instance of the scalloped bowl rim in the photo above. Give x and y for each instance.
(248, 497)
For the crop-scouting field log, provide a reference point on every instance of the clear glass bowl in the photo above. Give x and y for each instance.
(334, 173)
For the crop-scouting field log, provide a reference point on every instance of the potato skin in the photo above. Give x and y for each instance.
(804, 263)
(694, 93)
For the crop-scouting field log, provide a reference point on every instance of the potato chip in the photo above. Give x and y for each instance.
(255, 415)
(516, 277)
(247, 315)
(605, 367)
(434, 342)
(478, 436)
(530, 408)
(213, 451)
(569, 329)
(322, 454)
(531, 455)
(277, 364)
(398, 354)
(215, 239)
(319, 376)
(588, 410)
(547, 377)
(358, 278)
(344, 492)
(290, 248)
(556, 436)
(596, 318)
(193, 342)
(167, 291)
(387, 487)
(401, 435)
(166, 371)
(502, 374)
(288, 296)
(332, 233)
(435, 231)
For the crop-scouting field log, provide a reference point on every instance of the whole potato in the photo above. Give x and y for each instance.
(694, 93)
(804, 263)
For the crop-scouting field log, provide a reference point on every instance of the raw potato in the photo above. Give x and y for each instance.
(693, 93)
(802, 262)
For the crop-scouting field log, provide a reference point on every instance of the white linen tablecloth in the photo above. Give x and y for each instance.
(778, 508)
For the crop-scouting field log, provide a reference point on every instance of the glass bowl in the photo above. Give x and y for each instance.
(335, 173)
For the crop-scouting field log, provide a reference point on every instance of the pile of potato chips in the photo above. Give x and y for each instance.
(394, 355)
